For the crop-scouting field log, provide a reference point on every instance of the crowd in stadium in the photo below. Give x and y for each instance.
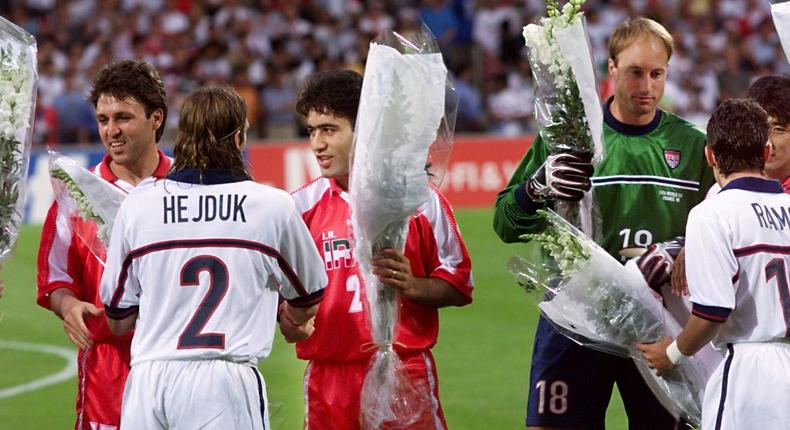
(266, 48)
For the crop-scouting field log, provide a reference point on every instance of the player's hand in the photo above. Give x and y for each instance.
(680, 286)
(2, 287)
(656, 355)
(656, 264)
(564, 176)
(74, 312)
(394, 270)
(290, 329)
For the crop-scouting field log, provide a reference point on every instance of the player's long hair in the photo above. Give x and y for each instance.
(210, 119)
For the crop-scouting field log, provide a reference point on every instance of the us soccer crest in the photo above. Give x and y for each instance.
(672, 157)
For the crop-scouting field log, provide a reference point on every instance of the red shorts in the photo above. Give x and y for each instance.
(102, 371)
(332, 392)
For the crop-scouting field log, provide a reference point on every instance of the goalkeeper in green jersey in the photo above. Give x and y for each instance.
(654, 172)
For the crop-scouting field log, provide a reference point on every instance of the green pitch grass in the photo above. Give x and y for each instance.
(483, 352)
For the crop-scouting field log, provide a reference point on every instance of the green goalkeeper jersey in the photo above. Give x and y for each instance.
(650, 178)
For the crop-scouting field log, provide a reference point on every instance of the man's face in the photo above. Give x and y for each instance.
(639, 74)
(778, 164)
(127, 134)
(330, 140)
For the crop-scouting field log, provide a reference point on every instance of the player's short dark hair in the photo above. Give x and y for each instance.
(737, 134)
(772, 93)
(134, 79)
(334, 92)
(209, 121)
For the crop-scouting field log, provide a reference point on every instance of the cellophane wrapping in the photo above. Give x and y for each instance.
(597, 302)
(86, 200)
(567, 106)
(403, 135)
(780, 12)
(18, 82)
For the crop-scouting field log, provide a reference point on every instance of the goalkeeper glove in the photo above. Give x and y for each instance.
(656, 264)
(564, 176)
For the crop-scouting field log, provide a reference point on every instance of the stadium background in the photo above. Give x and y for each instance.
(265, 49)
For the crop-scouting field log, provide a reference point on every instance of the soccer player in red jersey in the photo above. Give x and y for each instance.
(434, 271)
(131, 107)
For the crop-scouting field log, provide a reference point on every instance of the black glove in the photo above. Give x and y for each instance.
(564, 176)
(656, 264)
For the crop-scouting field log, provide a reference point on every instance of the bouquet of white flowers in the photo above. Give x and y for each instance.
(567, 105)
(780, 12)
(402, 136)
(88, 201)
(601, 304)
(18, 78)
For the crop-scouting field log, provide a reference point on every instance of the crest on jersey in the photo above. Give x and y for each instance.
(672, 157)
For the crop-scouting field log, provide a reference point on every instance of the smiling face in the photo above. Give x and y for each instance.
(639, 72)
(330, 139)
(128, 135)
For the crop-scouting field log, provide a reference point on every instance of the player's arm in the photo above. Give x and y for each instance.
(667, 354)
(123, 325)
(394, 270)
(540, 179)
(73, 311)
(296, 324)
(56, 289)
(120, 294)
(303, 281)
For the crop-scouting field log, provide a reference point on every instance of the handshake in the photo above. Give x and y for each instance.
(564, 176)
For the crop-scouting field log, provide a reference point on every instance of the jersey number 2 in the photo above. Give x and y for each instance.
(192, 337)
(776, 269)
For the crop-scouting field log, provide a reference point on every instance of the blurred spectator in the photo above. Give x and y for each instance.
(74, 114)
(471, 117)
(722, 46)
(279, 98)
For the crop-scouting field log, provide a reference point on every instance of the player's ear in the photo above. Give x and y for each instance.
(709, 157)
(767, 151)
(157, 118)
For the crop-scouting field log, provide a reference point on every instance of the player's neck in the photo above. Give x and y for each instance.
(724, 180)
(629, 118)
(342, 181)
(135, 172)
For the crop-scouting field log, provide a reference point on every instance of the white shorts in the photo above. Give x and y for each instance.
(188, 395)
(750, 389)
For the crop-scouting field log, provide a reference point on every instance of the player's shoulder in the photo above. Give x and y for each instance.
(437, 205)
(311, 193)
(683, 126)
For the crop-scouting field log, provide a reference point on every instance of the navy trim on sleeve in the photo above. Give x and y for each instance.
(710, 313)
(524, 201)
(119, 313)
(308, 300)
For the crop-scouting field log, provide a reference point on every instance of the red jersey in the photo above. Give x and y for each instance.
(65, 261)
(433, 246)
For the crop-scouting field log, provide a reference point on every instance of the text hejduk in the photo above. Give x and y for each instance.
(207, 208)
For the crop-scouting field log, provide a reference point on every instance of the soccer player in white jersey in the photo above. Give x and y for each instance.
(195, 265)
(737, 255)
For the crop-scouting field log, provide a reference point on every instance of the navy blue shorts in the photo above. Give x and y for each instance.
(570, 386)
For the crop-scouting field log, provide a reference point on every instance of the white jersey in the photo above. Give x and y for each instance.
(738, 257)
(202, 266)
